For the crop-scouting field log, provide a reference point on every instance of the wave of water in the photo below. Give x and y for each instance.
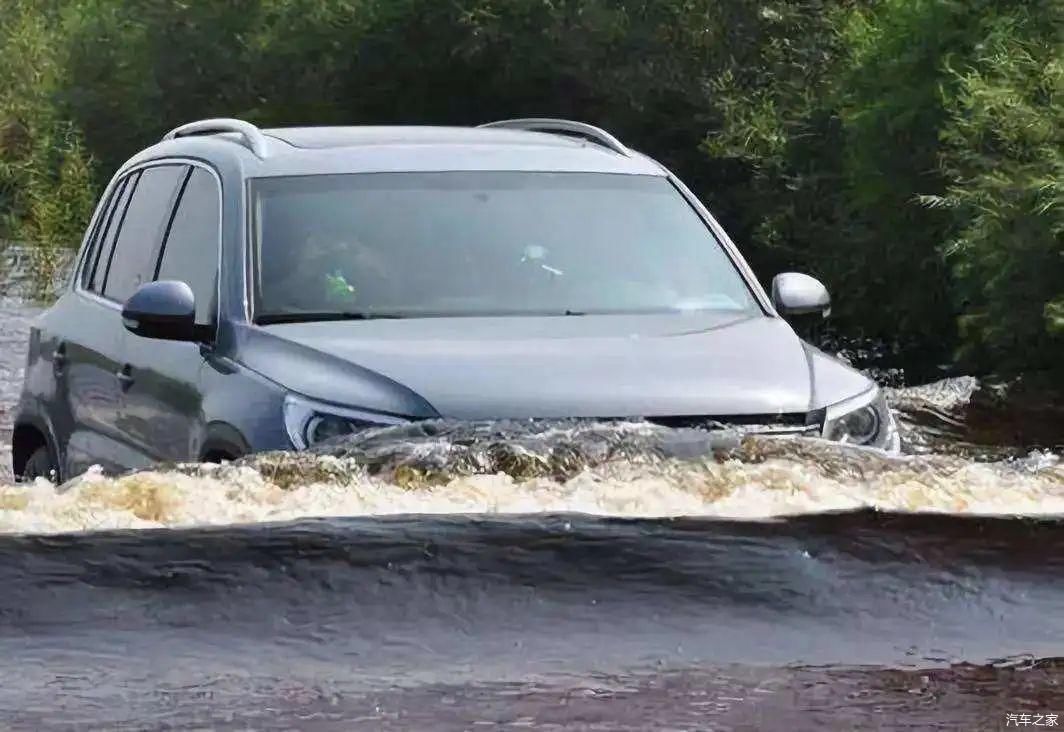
(630, 471)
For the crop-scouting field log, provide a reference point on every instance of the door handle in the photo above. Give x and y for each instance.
(59, 359)
(125, 377)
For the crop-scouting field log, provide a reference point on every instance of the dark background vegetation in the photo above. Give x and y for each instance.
(910, 153)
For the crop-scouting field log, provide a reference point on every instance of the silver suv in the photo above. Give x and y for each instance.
(242, 289)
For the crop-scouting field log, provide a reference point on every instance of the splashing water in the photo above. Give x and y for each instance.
(616, 471)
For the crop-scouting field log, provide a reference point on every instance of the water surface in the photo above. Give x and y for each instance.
(564, 576)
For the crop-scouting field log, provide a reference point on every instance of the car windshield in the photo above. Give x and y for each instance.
(482, 244)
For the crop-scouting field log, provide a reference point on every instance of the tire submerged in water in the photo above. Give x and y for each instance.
(39, 465)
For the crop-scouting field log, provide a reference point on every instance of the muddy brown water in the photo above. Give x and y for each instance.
(571, 576)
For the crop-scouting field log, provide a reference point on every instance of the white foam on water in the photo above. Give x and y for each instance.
(756, 488)
(944, 394)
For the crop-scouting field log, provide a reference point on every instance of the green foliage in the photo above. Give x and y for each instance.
(908, 152)
(46, 177)
(918, 171)
(840, 146)
(1003, 152)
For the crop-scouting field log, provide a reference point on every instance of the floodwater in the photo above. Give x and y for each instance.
(564, 576)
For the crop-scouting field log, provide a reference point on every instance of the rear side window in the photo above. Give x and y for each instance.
(190, 253)
(105, 206)
(142, 229)
(96, 266)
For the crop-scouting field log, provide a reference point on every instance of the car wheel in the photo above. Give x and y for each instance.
(39, 465)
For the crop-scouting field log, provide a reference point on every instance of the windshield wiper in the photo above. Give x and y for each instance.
(311, 317)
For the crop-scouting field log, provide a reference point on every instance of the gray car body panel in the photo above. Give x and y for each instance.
(687, 364)
(588, 366)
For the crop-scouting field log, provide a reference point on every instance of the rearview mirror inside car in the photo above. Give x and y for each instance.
(164, 310)
(794, 293)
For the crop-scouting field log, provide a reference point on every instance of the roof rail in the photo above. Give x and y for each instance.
(253, 139)
(590, 132)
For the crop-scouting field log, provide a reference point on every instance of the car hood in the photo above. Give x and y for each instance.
(690, 364)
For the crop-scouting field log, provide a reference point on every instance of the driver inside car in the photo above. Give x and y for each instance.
(332, 273)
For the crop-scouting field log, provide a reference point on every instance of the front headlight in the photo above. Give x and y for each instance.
(308, 422)
(862, 420)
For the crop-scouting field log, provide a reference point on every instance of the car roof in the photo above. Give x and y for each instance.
(326, 150)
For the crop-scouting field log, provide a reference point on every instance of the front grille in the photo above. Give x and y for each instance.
(800, 423)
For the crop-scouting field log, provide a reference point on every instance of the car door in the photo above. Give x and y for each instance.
(163, 405)
(128, 262)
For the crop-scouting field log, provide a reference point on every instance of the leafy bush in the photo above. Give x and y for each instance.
(46, 177)
(917, 170)
(1004, 156)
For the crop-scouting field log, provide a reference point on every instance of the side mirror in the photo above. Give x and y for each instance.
(798, 294)
(164, 310)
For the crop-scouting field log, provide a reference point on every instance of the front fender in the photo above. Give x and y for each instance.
(242, 410)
